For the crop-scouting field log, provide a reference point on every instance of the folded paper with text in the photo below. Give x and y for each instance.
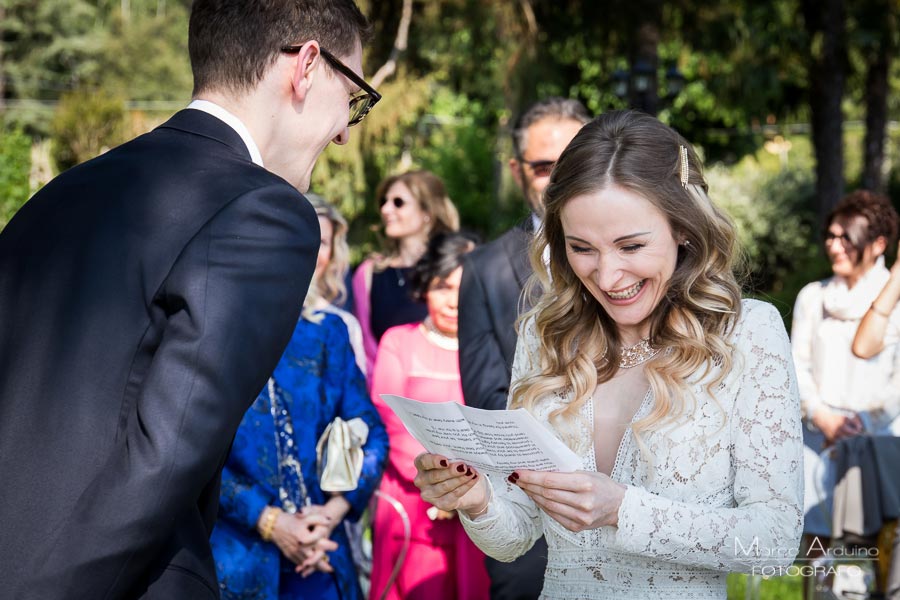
(492, 441)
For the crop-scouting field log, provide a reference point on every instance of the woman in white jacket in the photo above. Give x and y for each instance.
(842, 395)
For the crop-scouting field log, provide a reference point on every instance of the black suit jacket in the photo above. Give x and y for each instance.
(489, 304)
(145, 296)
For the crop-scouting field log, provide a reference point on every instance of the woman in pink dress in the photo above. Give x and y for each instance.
(419, 361)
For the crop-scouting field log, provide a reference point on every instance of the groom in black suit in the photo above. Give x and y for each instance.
(490, 302)
(145, 297)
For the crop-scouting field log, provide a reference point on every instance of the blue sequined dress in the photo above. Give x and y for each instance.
(318, 379)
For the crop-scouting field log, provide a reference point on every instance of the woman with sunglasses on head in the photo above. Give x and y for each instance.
(420, 360)
(678, 395)
(414, 207)
(842, 395)
(280, 535)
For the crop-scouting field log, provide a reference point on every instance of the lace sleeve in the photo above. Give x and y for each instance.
(763, 528)
(512, 523)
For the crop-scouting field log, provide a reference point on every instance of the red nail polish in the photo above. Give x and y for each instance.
(515, 475)
(468, 472)
(443, 463)
(461, 468)
(511, 479)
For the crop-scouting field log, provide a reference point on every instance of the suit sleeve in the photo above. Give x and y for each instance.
(482, 368)
(230, 303)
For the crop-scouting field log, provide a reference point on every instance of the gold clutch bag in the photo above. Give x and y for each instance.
(340, 455)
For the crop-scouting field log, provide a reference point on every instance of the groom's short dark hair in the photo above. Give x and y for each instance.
(233, 42)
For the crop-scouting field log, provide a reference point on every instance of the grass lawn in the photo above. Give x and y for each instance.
(774, 588)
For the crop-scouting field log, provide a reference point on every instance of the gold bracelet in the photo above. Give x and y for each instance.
(487, 503)
(886, 315)
(268, 524)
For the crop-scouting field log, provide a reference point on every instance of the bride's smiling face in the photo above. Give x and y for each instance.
(622, 249)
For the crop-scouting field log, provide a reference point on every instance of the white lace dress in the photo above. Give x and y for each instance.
(716, 498)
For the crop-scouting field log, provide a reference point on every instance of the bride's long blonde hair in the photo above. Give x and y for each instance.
(579, 342)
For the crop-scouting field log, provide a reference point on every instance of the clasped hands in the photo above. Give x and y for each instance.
(836, 426)
(303, 538)
(578, 501)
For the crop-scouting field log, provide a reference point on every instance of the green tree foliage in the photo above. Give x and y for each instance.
(86, 124)
(774, 216)
(15, 165)
(146, 55)
(49, 47)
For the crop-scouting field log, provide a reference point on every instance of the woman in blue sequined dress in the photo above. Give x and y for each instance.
(279, 535)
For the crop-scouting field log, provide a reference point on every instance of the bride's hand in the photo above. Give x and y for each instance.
(577, 501)
(450, 485)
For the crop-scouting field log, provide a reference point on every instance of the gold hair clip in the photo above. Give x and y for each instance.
(685, 168)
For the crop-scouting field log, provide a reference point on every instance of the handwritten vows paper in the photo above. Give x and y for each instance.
(492, 441)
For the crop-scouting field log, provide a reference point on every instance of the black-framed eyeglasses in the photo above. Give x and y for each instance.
(540, 168)
(361, 103)
(397, 201)
(831, 236)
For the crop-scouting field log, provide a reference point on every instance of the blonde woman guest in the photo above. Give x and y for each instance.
(414, 206)
(421, 360)
(678, 395)
(842, 395)
(333, 264)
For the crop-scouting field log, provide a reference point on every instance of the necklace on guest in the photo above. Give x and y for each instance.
(638, 354)
(438, 337)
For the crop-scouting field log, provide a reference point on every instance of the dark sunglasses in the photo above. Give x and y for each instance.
(361, 103)
(540, 168)
(396, 201)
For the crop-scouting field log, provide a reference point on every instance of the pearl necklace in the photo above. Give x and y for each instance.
(637, 354)
(438, 337)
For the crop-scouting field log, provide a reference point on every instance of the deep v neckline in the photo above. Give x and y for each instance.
(626, 438)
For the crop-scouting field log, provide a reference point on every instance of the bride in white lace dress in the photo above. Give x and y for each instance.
(639, 353)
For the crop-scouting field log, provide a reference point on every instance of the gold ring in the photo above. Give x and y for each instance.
(325, 558)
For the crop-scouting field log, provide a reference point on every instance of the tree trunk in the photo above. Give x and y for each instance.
(880, 19)
(645, 57)
(825, 24)
(876, 120)
(400, 42)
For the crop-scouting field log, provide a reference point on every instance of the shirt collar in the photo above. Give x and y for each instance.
(232, 121)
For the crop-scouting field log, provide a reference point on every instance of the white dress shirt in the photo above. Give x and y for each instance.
(232, 121)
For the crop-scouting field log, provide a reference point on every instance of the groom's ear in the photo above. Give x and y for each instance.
(305, 69)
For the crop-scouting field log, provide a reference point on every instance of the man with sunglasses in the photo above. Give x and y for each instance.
(148, 294)
(489, 302)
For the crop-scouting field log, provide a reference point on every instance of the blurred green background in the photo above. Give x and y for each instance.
(752, 83)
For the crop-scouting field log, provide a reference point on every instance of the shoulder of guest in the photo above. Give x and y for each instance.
(485, 254)
(399, 332)
(812, 291)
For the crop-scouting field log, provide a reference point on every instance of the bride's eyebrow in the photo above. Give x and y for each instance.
(629, 236)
